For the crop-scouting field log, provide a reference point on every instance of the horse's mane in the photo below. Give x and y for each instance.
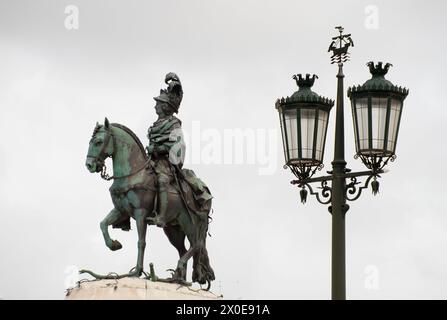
(133, 135)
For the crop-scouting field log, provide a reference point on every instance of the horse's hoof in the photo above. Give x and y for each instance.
(135, 273)
(176, 281)
(116, 245)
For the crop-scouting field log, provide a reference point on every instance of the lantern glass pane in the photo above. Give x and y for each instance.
(354, 121)
(361, 106)
(283, 133)
(322, 125)
(291, 129)
(378, 121)
(396, 107)
(307, 132)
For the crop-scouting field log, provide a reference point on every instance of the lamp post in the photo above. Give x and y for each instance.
(376, 109)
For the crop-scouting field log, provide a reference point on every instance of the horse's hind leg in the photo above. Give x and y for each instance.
(180, 272)
(176, 237)
(113, 217)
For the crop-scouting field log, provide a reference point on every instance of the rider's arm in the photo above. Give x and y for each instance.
(174, 149)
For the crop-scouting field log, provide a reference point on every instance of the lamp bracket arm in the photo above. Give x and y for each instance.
(362, 173)
(311, 180)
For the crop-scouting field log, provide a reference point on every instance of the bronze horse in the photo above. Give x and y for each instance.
(133, 194)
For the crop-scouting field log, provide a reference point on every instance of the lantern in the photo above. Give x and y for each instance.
(304, 118)
(376, 111)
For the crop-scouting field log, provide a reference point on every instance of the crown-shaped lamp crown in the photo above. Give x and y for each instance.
(304, 94)
(378, 70)
(304, 83)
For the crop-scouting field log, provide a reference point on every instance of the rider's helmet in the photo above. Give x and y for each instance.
(173, 94)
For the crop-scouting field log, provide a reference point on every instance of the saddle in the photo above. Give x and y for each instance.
(194, 192)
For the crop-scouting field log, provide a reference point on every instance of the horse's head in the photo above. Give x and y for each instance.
(100, 147)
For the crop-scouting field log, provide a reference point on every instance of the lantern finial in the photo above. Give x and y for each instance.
(379, 69)
(307, 82)
(339, 47)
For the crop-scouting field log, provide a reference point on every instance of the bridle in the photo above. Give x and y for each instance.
(102, 155)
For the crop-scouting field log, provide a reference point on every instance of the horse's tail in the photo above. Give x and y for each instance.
(202, 271)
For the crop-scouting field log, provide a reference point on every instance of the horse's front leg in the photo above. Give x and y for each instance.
(140, 218)
(111, 218)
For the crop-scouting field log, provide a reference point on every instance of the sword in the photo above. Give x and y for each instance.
(180, 187)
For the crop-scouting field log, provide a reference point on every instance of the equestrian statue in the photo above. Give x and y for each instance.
(151, 186)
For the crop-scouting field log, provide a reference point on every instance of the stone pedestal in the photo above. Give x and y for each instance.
(136, 289)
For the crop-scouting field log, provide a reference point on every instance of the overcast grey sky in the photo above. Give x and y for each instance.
(234, 59)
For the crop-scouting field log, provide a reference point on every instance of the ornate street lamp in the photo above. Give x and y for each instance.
(304, 118)
(376, 109)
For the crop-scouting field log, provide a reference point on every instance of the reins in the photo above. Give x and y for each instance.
(104, 174)
(106, 177)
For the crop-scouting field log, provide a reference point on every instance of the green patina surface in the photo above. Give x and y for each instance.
(153, 188)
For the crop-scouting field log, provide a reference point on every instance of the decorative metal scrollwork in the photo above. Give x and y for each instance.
(324, 195)
(303, 172)
(375, 163)
(352, 189)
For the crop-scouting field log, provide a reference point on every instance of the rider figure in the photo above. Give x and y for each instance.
(165, 147)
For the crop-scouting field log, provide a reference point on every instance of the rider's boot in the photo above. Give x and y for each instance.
(162, 218)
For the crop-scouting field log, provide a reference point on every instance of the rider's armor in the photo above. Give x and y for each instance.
(166, 148)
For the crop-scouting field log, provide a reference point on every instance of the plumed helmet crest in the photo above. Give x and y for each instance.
(173, 94)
